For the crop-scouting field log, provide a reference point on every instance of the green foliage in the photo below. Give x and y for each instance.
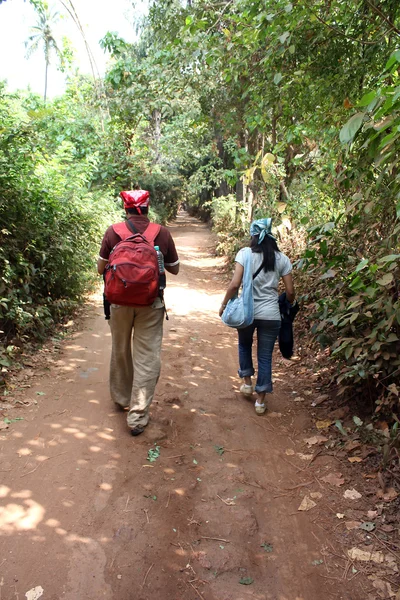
(50, 220)
(356, 256)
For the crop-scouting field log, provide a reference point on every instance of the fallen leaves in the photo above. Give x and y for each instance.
(320, 399)
(334, 479)
(323, 424)
(384, 588)
(306, 457)
(352, 494)
(352, 445)
(316, 495)
(373, 556)
(316, 439)
(34, 593)
(306, 504)
(366, 555)
(388, 496)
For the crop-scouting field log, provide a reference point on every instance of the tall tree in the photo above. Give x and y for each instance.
(42, 35)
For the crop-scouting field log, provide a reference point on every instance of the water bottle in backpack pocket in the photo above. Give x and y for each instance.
(161, 268)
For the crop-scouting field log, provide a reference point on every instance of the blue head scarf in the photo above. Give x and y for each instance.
(262, 227)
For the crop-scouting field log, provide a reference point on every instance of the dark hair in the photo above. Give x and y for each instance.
(134, 211)
(268, 247)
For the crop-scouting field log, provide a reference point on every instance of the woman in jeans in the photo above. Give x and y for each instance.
(267, 319)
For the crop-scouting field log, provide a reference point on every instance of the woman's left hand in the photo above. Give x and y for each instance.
(221, 309)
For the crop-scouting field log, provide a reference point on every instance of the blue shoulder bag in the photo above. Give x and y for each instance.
(239, 312)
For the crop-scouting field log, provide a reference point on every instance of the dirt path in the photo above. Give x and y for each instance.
(85, 516)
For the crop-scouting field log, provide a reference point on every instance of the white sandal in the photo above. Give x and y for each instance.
(246, 390)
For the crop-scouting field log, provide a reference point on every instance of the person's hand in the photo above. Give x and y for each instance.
(221, 309)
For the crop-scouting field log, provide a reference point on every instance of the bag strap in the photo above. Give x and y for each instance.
(151, 232)
(127, 229)
(122, 230)
(131, 226)
(258, 270)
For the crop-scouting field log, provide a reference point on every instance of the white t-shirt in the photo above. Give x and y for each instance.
(265, 285)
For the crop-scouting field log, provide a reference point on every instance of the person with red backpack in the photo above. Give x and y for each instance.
(132, 258)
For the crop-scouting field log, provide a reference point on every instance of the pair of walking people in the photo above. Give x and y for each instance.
(137, 331)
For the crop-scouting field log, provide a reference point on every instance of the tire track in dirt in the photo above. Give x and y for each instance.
(86, 516)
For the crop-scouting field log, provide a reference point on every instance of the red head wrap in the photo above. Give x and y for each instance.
(135, 199)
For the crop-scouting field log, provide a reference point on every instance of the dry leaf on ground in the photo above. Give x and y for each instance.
(355, 459)
(352, 494)
(320, 399)
(388, 496)
(34, 593)
(306, 504)
(305, 456)
(323, 424)
(316, 495)
(334, 479)
(376, 557)
(316, 439)
(352, 445)
(366, 555)
(340, 515)
(383, 588)
(289, 452)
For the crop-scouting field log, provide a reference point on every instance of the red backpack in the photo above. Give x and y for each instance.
(131, 275)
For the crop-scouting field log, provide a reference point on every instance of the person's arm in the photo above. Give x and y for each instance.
(105, 249)
(171, 258)
(233, 286)
(289, 288)
(101, 265)
(174, 269)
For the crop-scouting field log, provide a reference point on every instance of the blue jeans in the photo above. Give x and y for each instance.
(267, 332)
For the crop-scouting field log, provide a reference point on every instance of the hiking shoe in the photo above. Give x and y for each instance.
(137, 430)
(260, 408)
(246, 390)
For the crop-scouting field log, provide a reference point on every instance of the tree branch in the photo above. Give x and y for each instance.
(336, 30)
(384, 17)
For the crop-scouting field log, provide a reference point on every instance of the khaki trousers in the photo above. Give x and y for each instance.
(135, 358)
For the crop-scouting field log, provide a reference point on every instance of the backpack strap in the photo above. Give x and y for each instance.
(124, 231)
(151, 232)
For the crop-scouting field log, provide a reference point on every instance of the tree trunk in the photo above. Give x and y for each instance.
(45, 81)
